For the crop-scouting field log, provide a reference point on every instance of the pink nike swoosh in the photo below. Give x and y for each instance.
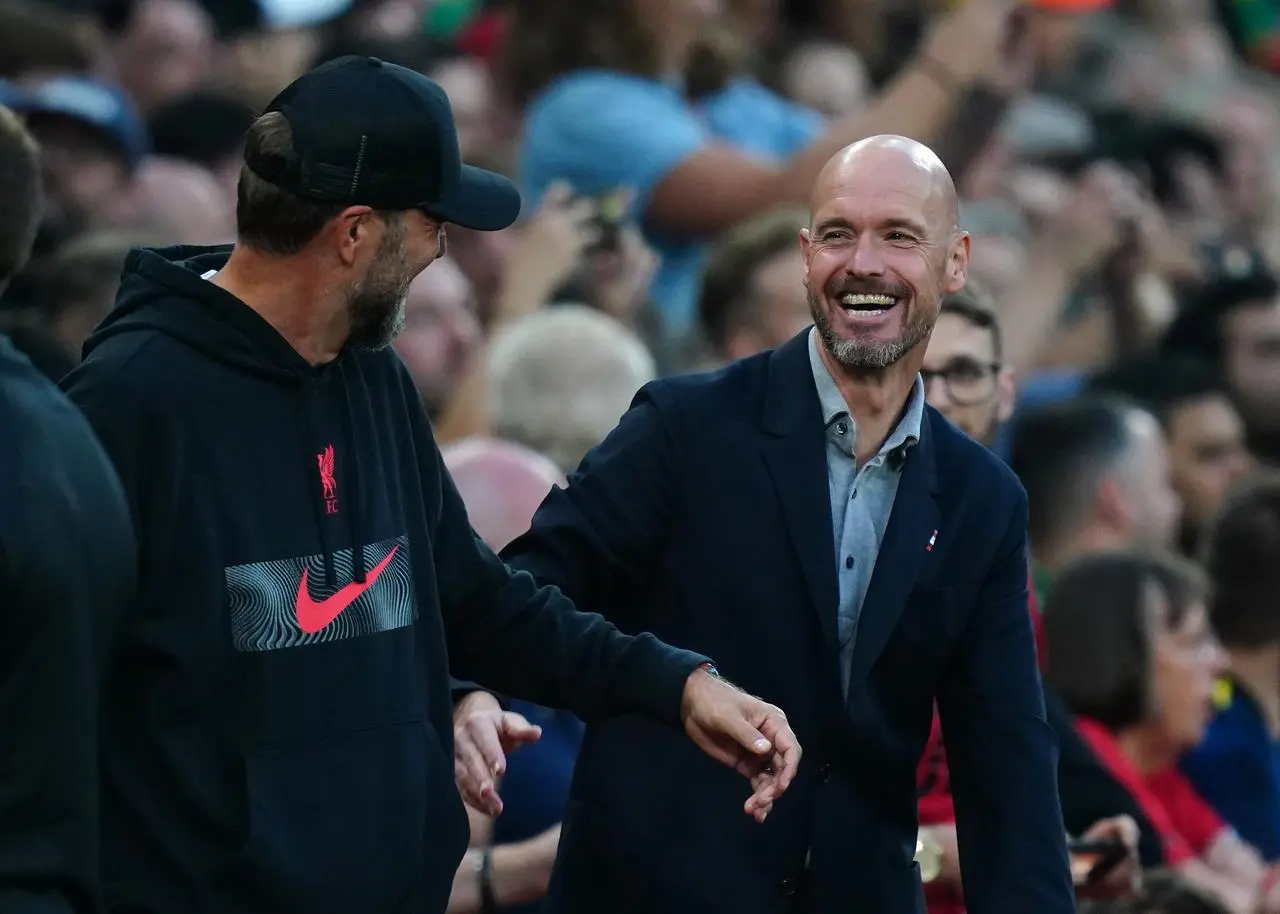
(316, 615)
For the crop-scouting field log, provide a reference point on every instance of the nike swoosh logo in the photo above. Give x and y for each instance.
(316, 615)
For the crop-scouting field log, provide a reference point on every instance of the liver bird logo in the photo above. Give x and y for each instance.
(330, 483)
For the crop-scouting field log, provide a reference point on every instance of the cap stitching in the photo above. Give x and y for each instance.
(355, 178)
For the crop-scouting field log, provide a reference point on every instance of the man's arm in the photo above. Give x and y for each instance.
(1001, 752)
(509, 634)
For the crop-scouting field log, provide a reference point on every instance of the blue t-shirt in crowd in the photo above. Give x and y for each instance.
(1236, 768)
(536, 786)
(602, 131)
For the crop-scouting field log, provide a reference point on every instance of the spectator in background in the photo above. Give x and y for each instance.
(1202, 428)
(1131, 653)
(1233, 322)
(67, 574)
(700, 164)
(559, 380)
(183, 202)
(67, 294)
(441, 334)
(92, 142)
(39, 42)
(205, 128)
(752, 296)
(162, 49)
(1097, 476)
(965, 377)
(501, 485)
(1162, 892)
(1237, 765)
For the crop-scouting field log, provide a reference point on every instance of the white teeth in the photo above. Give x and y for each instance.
(867, 302)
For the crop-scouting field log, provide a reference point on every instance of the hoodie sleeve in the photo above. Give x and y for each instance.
(511, 636)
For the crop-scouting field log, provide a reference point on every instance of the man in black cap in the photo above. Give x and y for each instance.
(67, 568)
(279, 723)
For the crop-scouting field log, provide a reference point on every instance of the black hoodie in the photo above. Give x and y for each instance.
(278, 730)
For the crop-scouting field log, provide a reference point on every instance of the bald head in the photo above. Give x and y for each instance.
(501, 484)
(899, 165)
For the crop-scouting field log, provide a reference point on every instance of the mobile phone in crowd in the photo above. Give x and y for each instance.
(1092, 860)
(611, 213)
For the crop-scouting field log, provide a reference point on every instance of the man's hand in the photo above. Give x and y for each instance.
(743, 732)
(1125, 878)
(483, 736)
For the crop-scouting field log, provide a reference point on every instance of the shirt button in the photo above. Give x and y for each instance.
(841, 428)
(824, 773)
(788, 886)
(848, 561)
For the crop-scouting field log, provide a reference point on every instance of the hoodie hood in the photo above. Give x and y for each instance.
(167, 290)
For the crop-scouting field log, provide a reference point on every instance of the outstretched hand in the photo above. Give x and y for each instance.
(743, 732)
(483, 736)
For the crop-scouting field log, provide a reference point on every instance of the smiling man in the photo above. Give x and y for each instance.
(806, 518)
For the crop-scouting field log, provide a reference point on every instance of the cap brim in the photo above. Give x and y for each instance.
(483, 201)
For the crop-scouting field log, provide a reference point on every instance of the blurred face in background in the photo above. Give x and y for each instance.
(166, 51)
(1207, 454)
(440, 332)
(676, 24)
(1251, 336)
(779, 309)
(470, 89)
(963, 380)
(1141, 495)
(1186, 661)
(85, 176)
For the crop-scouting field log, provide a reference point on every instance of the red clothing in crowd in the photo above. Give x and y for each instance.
(933, 784)
(1186, 823)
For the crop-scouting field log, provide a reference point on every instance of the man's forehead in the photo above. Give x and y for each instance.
(903, 176)
(955, 336)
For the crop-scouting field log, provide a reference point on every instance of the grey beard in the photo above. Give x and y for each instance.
(873, 355)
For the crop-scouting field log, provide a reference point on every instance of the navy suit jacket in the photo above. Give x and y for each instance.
(705, 518)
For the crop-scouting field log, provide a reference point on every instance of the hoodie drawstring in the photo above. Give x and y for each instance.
(323, 462)
(355, 507)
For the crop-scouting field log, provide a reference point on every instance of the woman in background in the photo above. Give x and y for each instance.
(1132, 656)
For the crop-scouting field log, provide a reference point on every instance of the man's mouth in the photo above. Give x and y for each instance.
(866, 303)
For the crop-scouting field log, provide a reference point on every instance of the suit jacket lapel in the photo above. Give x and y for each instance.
(906, 546)
(795, 452)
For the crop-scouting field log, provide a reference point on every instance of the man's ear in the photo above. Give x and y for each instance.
(352, 229)
(957, 264)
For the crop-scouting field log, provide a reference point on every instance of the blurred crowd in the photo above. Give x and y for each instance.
(1119, 341)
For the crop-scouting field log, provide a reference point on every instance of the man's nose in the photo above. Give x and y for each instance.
(865, 259)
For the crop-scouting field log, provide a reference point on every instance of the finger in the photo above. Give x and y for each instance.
(787, 753)
(557, 194)
(735, 725)
(465, 753)
(517, 732)
(483, 740)
(581, 211)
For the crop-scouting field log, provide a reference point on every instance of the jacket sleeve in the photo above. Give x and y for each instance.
(512, 636)
(1001, 751)
(600, 538)
(67, 565)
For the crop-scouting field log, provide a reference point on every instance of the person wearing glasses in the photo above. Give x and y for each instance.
(964, 376)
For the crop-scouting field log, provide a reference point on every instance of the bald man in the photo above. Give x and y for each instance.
(806, 518)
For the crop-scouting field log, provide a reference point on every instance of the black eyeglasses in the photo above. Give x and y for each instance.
(966, 381)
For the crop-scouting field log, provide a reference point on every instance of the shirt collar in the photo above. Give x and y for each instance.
(907, 431)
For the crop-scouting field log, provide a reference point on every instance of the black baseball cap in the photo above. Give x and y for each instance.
(367, 132)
